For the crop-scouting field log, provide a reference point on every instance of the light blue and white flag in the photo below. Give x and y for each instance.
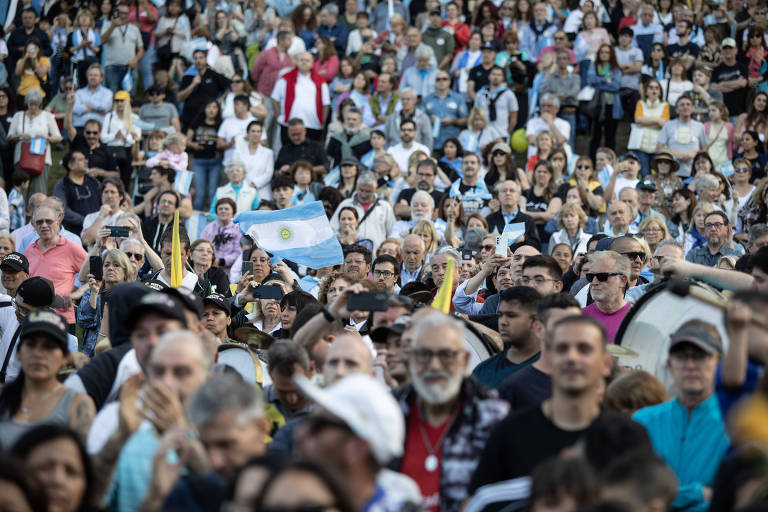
(183, 181)
(301, 234)
(196, 223)
(127, 81)
(37, 146)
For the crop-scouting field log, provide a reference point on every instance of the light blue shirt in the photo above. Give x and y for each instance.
(100, 100)
(406, 276)
(453, 106)
(134, 470)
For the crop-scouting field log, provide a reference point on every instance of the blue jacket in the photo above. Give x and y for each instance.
(602, 85)
(692, 444)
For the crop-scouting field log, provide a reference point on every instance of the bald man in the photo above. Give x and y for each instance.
(347, 355)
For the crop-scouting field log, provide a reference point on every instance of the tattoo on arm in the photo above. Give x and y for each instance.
(84, 414)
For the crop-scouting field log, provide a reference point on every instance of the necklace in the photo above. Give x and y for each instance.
(432, 462)
(42, 397)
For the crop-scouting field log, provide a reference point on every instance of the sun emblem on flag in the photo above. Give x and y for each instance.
(285, 233)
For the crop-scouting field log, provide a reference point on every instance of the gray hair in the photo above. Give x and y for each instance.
(44, 207)
(435, 321)
(705, 181)
(187, 338)
(331, 9)
(55, 203)
(550, 97)
(33, 97)
(225, 393)
(128, 241)
(416, 237)
(646, 7)
(368, 178)
(757, 231)
(621, 263)
(128, 215)
(408, 90)
(423, 52)
(453, 253)
(674, 243)
(353, 110)
(233, 164)
(424, 193)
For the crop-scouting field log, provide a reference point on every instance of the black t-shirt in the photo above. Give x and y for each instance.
(309, 150)
(534, 203)
(99, 157)
(211, 86)
(518, 444)
(479, 75)
(205, 134)
(407, 194)
(675, 51)
(734, 100)
(525, 388)
(562, 191)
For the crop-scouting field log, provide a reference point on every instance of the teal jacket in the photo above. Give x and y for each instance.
(692, 444)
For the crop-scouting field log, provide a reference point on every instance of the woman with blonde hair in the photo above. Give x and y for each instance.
(84, 44)
(173, 155)
(116, 268)
(266, 312)
(426, 230)
(654, 230)
(120, 133)
(694, 237)
(477, 134)
(571, 220)
(651, 112)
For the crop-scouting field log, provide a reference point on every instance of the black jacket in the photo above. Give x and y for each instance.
(496, 223)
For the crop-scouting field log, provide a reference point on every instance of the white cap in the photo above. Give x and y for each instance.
(728, 41)
(367, 407)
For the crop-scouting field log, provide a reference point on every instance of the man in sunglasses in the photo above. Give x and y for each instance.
(717, 231)
(631, 248)
(667, 251)
(608, 276)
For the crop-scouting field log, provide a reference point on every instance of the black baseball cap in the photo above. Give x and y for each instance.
(628, 155)
(163, 304)
(646, 184)
(218, 300)
(697, 336)
(46, 322)
(39, 292)
(16, 262)
(190, 300)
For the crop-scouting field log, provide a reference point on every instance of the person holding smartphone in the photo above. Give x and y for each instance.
(32, 69)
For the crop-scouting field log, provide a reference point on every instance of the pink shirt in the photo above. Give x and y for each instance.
(177, 161)
(331, 67)
(266, 70)
(59, 264)
(611, 322)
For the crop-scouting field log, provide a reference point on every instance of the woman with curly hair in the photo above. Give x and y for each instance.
(541, 203)
(755, 118)
(756, 209)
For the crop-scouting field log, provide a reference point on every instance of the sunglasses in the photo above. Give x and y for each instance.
(134, 255)
(91, 133)
(601, 276)
(741, 169)
(633, 255)
(498, 153)
(237, 81)
(487, 247)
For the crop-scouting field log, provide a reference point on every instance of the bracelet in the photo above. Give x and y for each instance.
(327, 315)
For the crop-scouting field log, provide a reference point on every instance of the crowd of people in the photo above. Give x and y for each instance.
(507, 182)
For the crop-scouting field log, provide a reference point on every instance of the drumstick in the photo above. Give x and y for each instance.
(683, 288)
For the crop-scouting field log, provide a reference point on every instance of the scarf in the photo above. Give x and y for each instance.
(291, 78)
(375, 103)
(479, 191)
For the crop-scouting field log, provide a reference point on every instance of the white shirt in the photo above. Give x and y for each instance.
(304, 106)
(42, 125)
(401, 154)
(189, 281)
(259, 167)
(114, 123)
(297, 45)
(231, 128)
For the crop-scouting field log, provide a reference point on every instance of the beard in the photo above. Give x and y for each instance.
(416, 217)
(352, 130)
(435, 394)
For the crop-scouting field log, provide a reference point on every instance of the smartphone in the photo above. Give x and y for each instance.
(501, 245)
(97, 267)
(268, 292)
(466, 254)
(247, 267)
(367, 301)
(119, 231)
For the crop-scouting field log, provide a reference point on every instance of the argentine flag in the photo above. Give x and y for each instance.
(301, 234)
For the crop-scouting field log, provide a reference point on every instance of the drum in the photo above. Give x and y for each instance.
(642, 341)
(245, 362)
(478, 346)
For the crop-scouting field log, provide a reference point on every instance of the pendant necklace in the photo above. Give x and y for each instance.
(42, 397)
(432, 462)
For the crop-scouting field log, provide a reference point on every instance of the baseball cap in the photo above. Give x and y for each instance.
(646, 184)
(435, 12)
(728, 41)
(628, 155)
(164, 304)
(218, 300)
(189, 299)
(16, 262)
(350, 160)
(699, 336)
(155, 284)
(380, 334)
(488, 45)
(39, 292)
(368, 409)
(153, 89)
(501, 146)
(122, 95)
(46, 322)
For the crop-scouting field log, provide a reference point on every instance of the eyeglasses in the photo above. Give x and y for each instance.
(134, 255)
(741, 169)
(386, 274)
(538, 280)
(634, 255)
(601, 276)
(41, 222)
(487, 247)
(423, 356)
(716, 225)
(683, 356)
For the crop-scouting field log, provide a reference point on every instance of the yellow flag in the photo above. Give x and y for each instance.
(444, 294)
(176, 253)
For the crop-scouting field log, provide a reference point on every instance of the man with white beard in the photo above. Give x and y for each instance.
(353, 140)
(446, 414)
(422, 208)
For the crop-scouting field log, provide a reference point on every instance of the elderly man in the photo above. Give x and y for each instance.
(619, 219)
(54, 257)
(377, 216)
(707, 188)
(608, 275)
(499, 102)
(540, 33)
(522, 346)
(175, 369)
(498, 269)
(231, 426)
(330, 27)
(406, 56)
(422, 208)
(695, 446)
(299, 147)
(439, 266)
(421, 77)
(422, 132)
(446, 108)
(92, 101)
(646, 32)
(558, 97)
(414, 252)
(302, 93)
(667, 250)
(442, 401)
(527, 437)
(717, 231)
(353, 140)
(631, 247)
(510, 213)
